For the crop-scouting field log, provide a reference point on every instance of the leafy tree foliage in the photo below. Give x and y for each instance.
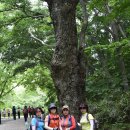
(107, 83)
(27, 44)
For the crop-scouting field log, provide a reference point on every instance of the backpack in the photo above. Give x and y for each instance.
(95, 123)
(49, 119)
(25, 111)
(77, 126)
(36, 124)
(55, 119)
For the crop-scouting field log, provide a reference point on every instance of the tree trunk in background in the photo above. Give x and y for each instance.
(116, 30)
(121, 63)
(67, 71)
(123, 70)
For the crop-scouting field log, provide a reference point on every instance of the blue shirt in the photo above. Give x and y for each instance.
(38, 122)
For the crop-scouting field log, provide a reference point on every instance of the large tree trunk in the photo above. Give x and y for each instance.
(67, 71)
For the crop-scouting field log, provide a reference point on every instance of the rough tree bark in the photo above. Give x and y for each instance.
(67, 71)
(82, 37)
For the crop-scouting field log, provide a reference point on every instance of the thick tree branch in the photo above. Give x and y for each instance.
(10, 89)
(4, 83)
(3, 87)
(122, 32)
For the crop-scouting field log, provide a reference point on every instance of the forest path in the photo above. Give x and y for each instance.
(10, 124)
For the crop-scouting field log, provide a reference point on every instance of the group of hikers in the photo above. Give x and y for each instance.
(18, 111)
(8, 113)
(53, 121)
(26, 111)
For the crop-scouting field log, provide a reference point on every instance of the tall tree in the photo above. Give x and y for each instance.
(117, 34)
(67, 70)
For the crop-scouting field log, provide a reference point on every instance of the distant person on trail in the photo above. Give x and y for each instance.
(52, 121)
(67, 121)
(0, 116)
(32, 112)
(25, 113)
(37, 122)
(8, 111)
(14, 112)
(4, 113)
(86, 120)
(18, 112)
(29, 111)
